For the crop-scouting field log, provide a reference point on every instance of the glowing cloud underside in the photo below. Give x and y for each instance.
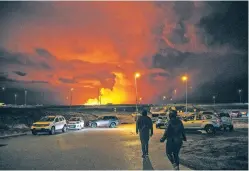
(117, 95)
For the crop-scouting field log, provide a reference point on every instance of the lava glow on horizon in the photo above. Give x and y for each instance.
(117, 95)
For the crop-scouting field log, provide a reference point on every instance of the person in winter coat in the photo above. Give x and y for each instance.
(145, 128)
(174, 133)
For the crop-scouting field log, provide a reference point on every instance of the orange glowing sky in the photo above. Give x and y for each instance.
(100, 45)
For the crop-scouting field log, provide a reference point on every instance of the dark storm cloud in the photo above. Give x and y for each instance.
(178, 34)
(21, 59)
(5, 79)
(227, 24)
(44, 53)
(20, 73)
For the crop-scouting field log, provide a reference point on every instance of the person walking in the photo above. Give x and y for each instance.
(144, 127)
(175, 134)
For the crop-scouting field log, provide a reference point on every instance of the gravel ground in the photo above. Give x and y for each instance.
(224, 151)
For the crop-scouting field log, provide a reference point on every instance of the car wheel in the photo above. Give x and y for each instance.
(94, 125)
(52, 131)
(231, 128)
(34, 132)
(210, 129)
(113, 125)
(64, 129)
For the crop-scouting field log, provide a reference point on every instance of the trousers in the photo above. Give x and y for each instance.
(145, 146)
(173, 147)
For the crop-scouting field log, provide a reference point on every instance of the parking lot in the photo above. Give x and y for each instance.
(95, 148)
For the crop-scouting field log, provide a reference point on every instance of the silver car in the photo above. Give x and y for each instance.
(104, 121)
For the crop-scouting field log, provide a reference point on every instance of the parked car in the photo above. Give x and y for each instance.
(209, 123)
(104, 121)
(75, 123)
(236, 114)
(162, 121)
(136, 115)
(49, 124)
(226, 121)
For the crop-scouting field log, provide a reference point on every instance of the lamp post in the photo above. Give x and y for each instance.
(240, 91)
(25, 97)
(3, 89)
(164, 98)
(185, 79)
(137, 75)
(140, 99)
(15, 98)
(71, 97)
(214, 99)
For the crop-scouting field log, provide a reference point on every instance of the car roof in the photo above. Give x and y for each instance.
(53, 116)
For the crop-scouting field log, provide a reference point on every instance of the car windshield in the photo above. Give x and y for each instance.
(47, 119)
(155, 115)
(74, 119)
(210, 113)
(224, 115)
(100, 118)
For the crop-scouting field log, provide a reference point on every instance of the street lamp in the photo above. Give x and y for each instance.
(15, 98)
(3, 89)
(185, 79)
(26, 97)
(214, 99)
(140, 99)
(240, 90)
(71, 94)
(137, 75)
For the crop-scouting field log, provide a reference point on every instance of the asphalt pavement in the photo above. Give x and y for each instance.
(87, 149)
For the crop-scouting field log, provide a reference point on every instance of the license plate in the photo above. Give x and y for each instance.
(72, 126)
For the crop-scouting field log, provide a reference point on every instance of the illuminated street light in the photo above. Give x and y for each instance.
(137, 75)
(240, 91)
(185, 78)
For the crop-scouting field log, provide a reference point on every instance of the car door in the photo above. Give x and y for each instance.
(61, 122)
(106, 121)
(57, 123)
(188, 122)
(101, 122)
(199, 120)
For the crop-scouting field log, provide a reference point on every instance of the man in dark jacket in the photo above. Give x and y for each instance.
(145, 128)
(174, 133)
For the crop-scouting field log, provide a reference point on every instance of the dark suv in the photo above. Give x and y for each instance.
(104, 121)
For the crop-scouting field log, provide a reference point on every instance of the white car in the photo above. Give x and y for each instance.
(49, 124)
(76, 123)
(226, 121)
(209, 123)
